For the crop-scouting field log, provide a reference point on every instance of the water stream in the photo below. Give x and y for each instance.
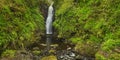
(49, 21)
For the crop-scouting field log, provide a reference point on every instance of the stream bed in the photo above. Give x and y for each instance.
(57, 52)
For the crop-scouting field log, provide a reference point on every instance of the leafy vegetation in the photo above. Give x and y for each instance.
(19, 19)
(93, 25)
(9, 53)
(109, 50)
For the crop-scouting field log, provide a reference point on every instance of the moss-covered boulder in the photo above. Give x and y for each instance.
(51, 57)
(87, 48)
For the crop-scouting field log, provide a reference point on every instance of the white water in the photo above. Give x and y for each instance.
(49, 20)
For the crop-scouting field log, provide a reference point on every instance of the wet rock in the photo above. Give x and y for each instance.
(66, 55)
(80, 57)
(36, 48)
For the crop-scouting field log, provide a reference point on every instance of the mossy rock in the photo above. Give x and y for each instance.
(9, 53)
(51, 57)
(87, 49)
(52, 51)
(36, 52)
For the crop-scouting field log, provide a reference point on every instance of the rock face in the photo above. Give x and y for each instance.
(44, 9)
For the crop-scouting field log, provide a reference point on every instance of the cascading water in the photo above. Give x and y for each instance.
(49, 21)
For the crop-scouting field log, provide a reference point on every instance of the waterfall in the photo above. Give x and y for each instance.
(49, 20)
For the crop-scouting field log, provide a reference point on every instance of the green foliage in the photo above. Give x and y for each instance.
(100, 57)
(76, 40)
(93, 24)
(36, 52)
(90, 18)
(65, 5)
(109, 50)
(9, 53)
(110, 44)
(95, 21)
(18, 21)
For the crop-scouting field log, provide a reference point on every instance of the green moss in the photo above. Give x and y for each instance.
(100, 57)
(92, 23)
(110, 44)
(52, 51)
(9, 53)
(52, 57)
(88, 48)
(109, 50)
(107, 56)
(76, 39)
(18, 23)
(36, 52)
